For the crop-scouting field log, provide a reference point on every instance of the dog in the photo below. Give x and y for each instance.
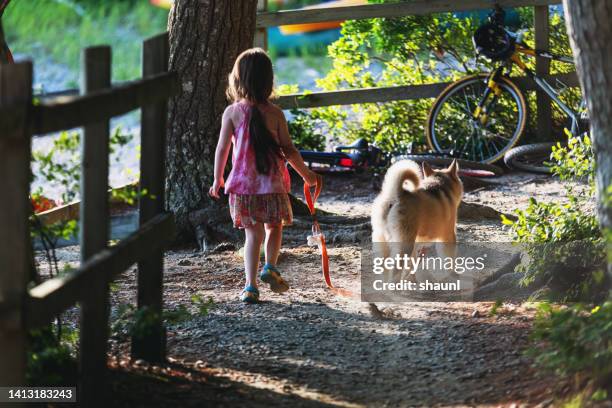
(417, 205)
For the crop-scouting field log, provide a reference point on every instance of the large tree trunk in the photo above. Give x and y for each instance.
(590, 31)
(5, 54)
(206, 36)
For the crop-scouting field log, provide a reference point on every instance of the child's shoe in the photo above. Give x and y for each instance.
(272, 276)
(250, 294)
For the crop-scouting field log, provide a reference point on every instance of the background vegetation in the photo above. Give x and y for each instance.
(568, 251)
(409, 51)
(53, 32)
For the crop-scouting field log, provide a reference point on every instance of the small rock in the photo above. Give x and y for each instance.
(476, 313)
(185, 262)
(139, 363)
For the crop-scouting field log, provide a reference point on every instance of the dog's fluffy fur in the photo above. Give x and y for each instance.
(423, 211)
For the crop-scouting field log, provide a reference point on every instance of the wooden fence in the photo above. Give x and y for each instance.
(21, 308)
(411, 7)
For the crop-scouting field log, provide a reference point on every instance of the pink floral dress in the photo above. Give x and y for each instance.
(255, 197)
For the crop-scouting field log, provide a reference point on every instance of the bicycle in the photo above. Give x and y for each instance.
(362, 155)
(482, 116)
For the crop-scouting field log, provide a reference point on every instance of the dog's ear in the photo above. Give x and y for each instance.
(454, 168)
(427, 170)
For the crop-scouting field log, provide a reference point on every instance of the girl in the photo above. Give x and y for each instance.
(259, 181)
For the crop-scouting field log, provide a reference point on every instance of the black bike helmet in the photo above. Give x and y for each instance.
(492, 41)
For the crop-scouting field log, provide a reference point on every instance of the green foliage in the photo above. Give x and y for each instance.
(52, 360)
(574, 162)
(305, 133)
(129, 321)
(495, 308)
(56, 31)
(562, 237)
(61, 165)
(575, 339)
(552, 222)
(386, 52)
(413, 50)
(555, 221)
(203, 306)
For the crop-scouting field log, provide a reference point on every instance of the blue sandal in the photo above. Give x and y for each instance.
(249, 294)
(272, 276)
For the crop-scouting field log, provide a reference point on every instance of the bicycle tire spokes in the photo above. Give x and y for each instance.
(456, 130)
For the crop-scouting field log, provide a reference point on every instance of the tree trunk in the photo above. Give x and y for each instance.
(5, 54)
(588, 24)
(206, 36)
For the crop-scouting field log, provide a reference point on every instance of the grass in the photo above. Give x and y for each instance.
(56, 31)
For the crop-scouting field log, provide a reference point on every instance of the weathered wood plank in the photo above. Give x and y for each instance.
(15, 92)
(152, 188)
(405, 8)
(71, 211)
(543, 102)
(94, 231)
(55, 295)
(393, 93)
(68, 112)
(261, 34)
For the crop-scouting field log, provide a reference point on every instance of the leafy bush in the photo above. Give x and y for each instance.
(51, 359)
(566, 250)
(414, 50)
(575, 339)
(565, 246)
(304, 132)
(129, 321)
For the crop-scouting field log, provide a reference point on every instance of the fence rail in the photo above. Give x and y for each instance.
(22, 309)
(405, 8)
(53, 296)
(401, 9)
(394, 93)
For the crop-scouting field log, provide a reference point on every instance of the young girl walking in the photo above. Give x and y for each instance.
(259, 181)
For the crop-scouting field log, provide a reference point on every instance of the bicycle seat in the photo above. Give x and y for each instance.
(359, 144)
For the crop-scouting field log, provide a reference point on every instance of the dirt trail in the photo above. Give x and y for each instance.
(310, 348)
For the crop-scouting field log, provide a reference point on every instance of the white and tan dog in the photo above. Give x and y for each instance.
(417, 206)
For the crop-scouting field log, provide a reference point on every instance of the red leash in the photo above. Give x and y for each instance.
(318, 234)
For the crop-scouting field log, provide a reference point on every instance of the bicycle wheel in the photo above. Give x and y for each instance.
(529, 157)
(446, 161)
(451, 128)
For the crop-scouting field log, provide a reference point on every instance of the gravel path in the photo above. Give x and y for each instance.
(310, 348)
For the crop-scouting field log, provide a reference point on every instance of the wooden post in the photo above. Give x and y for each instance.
(152, 190)
(94, 231)
(261, 34)
(16, 95)
(544, 106)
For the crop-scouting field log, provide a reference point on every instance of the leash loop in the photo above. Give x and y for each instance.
(319, 238)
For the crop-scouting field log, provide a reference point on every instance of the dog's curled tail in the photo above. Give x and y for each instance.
(397, 174)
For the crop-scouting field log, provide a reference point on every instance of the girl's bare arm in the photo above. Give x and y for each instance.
(222, 152)
(292, 154)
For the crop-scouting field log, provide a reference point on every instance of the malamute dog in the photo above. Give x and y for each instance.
(417, 205)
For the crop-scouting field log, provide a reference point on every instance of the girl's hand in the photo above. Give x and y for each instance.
(214, 190)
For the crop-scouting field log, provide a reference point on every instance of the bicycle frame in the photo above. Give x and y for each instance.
(492, 86)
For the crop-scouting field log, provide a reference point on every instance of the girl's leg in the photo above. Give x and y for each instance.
(274, 236)
(252, 246)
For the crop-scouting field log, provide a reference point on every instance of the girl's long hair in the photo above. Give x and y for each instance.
(252, 79)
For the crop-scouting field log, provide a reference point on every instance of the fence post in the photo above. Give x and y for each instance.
(94, 231)
(544, 106)
(16, 96)
(155, 55)
(261, 34)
